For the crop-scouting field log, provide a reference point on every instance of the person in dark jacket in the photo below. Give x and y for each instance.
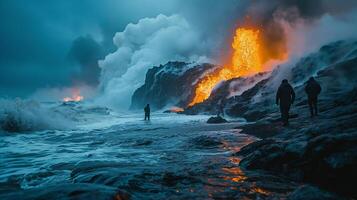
(147, 112)
(312, 90)
(285, 98)
(220, 108)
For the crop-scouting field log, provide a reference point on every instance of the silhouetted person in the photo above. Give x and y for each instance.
(312, 90)
(285, 97)
(147, 112)
(220, 108)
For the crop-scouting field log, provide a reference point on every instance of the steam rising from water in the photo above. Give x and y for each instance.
(152, 41)
(299, 26)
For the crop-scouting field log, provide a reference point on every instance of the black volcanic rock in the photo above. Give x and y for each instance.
(308, 192)
(169, 84)
(334, 65)
(320, 150)
(243, 88)
(327, 55)
(174, 84)
(216, 120)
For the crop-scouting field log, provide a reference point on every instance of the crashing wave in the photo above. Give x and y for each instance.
(25, 115)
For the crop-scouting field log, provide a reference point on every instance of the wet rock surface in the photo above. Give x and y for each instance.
(320, 150)
(308, 192)
(216, 120)
(169, 158)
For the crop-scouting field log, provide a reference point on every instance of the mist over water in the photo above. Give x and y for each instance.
(27, 116)
(180, 156)
(148, 43)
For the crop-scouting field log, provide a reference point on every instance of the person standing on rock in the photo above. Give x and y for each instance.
(147, 112)
(285, 98)
(312, 90)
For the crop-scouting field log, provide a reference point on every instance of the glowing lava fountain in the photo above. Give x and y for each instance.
(246, 61)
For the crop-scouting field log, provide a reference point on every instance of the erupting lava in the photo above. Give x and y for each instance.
(246, 61)
(76, 97)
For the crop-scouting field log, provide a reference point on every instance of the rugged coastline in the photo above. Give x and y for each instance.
(322, 150)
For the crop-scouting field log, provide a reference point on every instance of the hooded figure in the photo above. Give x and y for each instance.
(147, 112)
(312, 90)
(284, 98)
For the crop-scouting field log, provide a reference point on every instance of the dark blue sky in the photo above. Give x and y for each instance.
(51, 43)
(57, 43)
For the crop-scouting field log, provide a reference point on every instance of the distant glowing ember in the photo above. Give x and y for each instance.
(76, 97)
(247, 60)
(176, 109)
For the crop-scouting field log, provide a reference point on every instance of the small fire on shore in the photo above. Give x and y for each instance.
(248, 58)
(75, 97)
(176, 109)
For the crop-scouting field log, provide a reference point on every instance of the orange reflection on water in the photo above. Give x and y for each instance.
(235, 160)
(260, 191)
(235, 174)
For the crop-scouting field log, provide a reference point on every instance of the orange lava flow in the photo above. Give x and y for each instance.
(246, 61)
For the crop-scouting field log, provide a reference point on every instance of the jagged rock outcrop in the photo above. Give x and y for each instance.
(174, 84)
(333, 65)
(227, 91)
(216, 120)
(327, 55)
(320, 150)
(169, 84)
(254, 97)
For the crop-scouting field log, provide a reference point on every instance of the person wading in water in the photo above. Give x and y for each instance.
(147, 112)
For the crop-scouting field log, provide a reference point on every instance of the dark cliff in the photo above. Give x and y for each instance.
(169, 84)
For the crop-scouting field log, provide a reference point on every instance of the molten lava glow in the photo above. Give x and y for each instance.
(76, 97)
(246, 60)
(176, 109)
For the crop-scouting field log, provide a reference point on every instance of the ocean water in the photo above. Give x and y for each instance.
(107, 155)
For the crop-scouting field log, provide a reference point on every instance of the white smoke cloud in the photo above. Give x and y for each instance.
(306, 37)
(150, 42)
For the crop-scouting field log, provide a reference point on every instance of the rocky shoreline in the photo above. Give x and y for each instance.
(321, 151)
(318, 151)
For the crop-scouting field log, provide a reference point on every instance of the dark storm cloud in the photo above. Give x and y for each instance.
(219, 19)
(36, 37)
(268, 16)
(86, 52)
(317, 8)
(304, 9)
